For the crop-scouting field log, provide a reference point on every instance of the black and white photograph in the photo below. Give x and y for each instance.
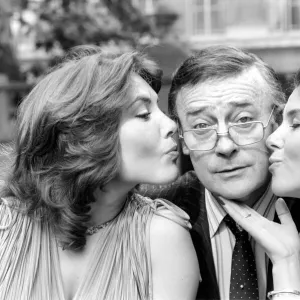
(149, 149)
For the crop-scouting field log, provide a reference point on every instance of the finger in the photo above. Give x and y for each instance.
(255, 224)
(245, 216)
(283, 212)
(243, 209)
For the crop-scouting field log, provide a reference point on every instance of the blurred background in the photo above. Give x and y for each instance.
(35, 33)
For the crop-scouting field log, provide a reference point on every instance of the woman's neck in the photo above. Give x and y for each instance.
(108, 202)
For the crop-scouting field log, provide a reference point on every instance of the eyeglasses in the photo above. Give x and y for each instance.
(241, 134)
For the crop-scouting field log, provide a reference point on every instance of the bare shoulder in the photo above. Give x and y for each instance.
(175, 268)
(169, 236)
(161, 226)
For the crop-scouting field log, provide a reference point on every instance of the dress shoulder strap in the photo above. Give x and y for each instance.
(169, 210)
(5, 215)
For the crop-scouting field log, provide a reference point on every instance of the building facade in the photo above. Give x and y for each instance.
(268, 28)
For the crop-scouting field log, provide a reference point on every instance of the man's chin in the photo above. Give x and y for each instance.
(240, 195)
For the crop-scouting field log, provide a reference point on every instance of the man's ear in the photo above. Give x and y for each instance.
(275, 125)
(184, 148)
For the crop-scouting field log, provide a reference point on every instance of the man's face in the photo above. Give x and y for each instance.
(228, 170)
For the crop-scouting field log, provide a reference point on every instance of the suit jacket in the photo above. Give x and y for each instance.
(188, 193)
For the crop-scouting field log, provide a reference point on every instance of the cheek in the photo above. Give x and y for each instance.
(291, 156)
(292, 151)
(139, 140)
(260, 160)
(136, 146)
(201, 161)
(143, 158)
(286, 181)
(288, 174)
(258, 154)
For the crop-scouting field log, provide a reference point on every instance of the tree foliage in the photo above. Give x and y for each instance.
(68, 23)
(9, 66)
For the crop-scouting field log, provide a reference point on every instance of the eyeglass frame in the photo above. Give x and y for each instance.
(180, 135)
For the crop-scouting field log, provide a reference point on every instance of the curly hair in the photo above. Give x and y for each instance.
(68, 137)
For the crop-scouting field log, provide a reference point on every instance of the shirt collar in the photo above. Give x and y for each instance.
(265, 206)
(215, 213)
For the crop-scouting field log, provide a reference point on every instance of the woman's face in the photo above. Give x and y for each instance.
(148, 150)
(285, 144)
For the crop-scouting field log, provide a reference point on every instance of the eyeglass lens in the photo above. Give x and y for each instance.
(241, 134)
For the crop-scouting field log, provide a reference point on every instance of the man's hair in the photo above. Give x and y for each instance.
(216, 63)
(68, 137)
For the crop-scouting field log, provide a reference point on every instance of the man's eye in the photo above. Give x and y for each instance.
(201, 126)
(245, 120)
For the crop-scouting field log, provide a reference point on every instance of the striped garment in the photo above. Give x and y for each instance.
(223, 241)
(118, 269)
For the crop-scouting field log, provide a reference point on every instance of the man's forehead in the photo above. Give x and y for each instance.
(228, 105)
(240, 91)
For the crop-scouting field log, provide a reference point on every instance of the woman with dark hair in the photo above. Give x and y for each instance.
(280, 240)
(71, 225)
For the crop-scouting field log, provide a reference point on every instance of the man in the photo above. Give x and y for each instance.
(226, 102)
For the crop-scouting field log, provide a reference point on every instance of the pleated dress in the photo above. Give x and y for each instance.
(118, 269)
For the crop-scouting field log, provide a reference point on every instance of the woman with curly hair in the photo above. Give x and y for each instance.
(71, 225)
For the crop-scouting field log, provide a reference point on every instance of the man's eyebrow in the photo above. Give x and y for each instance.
(193, 111)
(241, 104)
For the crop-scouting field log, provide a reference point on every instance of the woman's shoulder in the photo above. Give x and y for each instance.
(13, 216)
(15, 227)
(173, 257)
(165, 211)
(8, 212)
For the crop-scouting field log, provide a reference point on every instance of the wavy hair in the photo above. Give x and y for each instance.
(68, 137)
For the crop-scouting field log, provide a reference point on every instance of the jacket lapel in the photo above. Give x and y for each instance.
(208, 288)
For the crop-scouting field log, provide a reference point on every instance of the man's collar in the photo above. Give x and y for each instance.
(216, 213)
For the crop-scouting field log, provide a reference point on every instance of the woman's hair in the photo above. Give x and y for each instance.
(67, 142)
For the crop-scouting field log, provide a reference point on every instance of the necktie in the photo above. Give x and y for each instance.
(243, 281)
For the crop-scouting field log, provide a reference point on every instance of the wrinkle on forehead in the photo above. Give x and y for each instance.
(250, 87)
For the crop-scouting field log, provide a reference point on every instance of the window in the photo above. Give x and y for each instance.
(208, 16)
(285, 15)
(245, 13)
(219, 16)
(198, 17)
(293, 17)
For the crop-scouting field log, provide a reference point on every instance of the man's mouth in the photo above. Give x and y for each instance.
(231, 170)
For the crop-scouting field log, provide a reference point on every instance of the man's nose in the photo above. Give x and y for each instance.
(225, 145)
